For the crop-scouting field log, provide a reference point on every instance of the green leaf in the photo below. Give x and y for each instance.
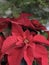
(16, 12)
(44, 34)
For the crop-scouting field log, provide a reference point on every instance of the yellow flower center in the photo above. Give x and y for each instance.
(26, 41)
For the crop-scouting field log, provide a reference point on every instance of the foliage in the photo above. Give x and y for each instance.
(39, 8)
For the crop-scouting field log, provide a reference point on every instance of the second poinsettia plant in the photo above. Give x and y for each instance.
(21, 38)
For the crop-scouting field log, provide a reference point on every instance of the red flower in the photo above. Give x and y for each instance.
(23, 20)
(26, 49)
(24, 42)
(38, 25)
(23, 46)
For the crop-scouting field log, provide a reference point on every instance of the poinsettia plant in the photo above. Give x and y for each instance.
(22, 39)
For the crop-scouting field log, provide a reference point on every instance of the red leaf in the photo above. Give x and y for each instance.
(8, 43)
(41, 39)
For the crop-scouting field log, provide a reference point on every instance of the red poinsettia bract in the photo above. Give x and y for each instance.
(20, 44)
(4, 23)
(41, 53)
(38, 25)
(1, 43)
(24, 46)
(23, 20)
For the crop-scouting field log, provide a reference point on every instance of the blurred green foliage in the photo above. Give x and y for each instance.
(39, 8)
